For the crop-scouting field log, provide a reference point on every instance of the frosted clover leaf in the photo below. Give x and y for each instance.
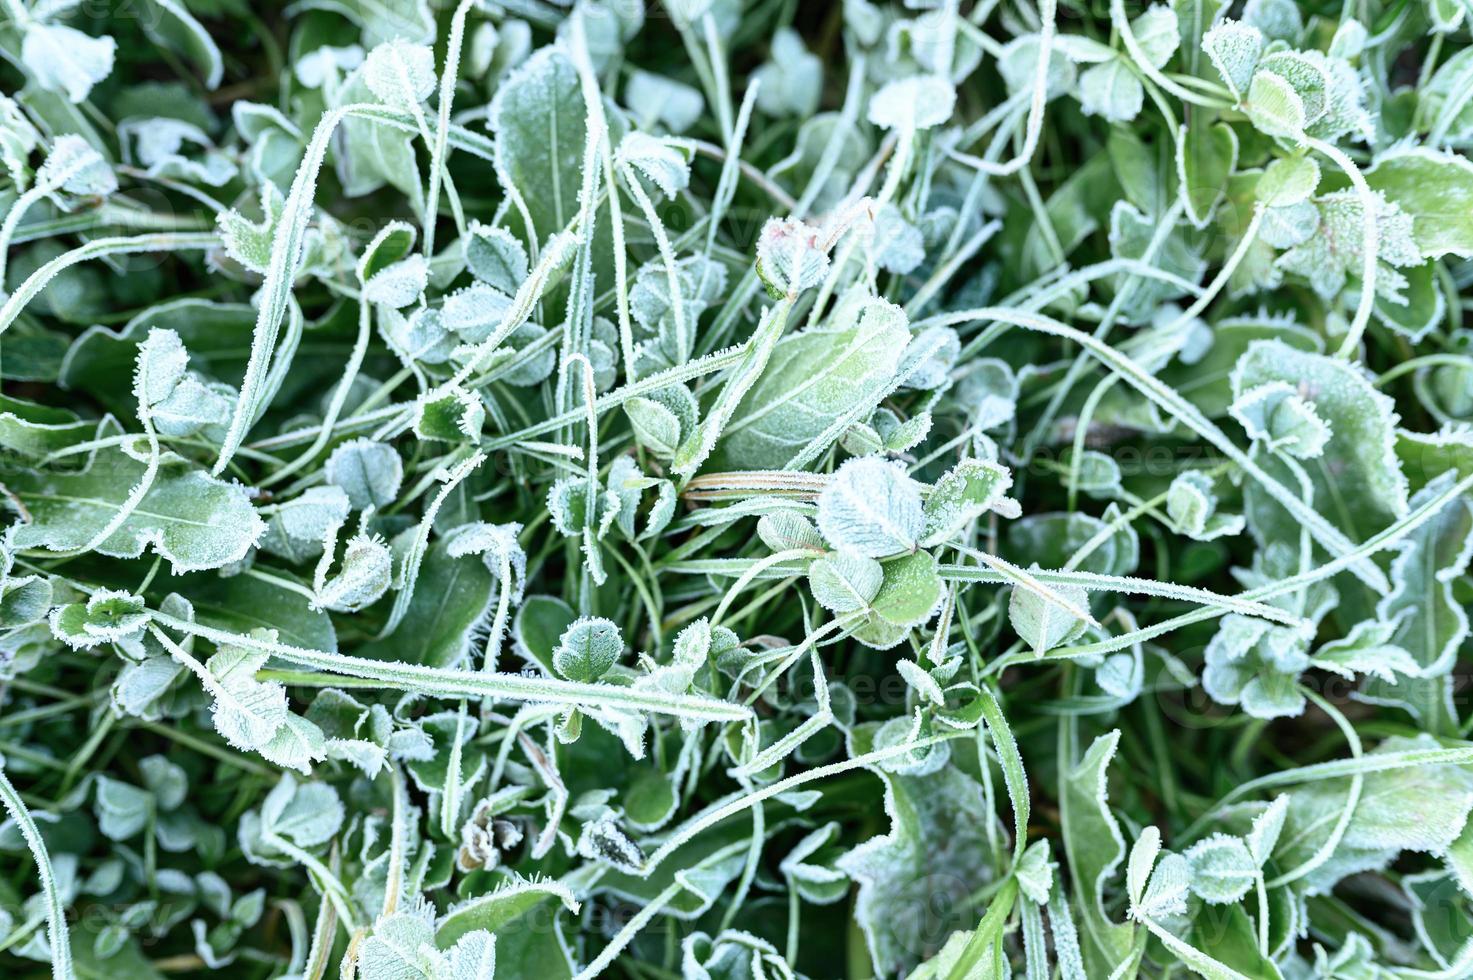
(107, 616)
(1192, 504)
(399, 73)
(293, 816)
(661, 161)
(1257, 664)
(791, 82)
(1276, 415)
(791, 257)
(587, 649)
(910, 104)
(1222, 869)
(368, 472)
(872, 509)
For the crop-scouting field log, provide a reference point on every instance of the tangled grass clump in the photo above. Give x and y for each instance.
(736, 489)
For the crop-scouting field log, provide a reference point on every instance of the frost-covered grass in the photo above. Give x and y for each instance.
(736, 489)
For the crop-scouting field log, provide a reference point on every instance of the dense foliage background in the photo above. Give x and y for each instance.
(735, 489)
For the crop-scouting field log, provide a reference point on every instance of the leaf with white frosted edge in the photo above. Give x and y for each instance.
(1361, 450)
(473, 957)
(814, 376)
(63, 59)
(1018, 64)
(192, 520)
(1192, 506)
(192, 407)
(368, 155)
(75, 166)
(475, 312)
(791, 83)
(122, 809)
(934, 851)
(304, 815)
(1035, 872)
(871, 508)
(402, 947)
(1288, 181)
(664, 162)
(107, 616)
(1275, 107)
(296, 528)
(247, 713)
(446, 632)
(495, 256)
(538, 120)
(1280, 20)
(587, 649)
(1430, 623)
(1094, 849)
(655, 427)
(968, 490)
(1276, 415)
(450, 415)
(1436, 189)
(1206, 157)
(655, 98)
(409, 20)
(1143, 855)
(918, 679)
(398, 285)
(392, 243)
(296, 744)
(1421, 809)
(1222, 869)
(399, 73)
(1234, 48)
(785, 531)
(1098, 474)
(170, 24)
(1043, 623)
(844, 583)
(1166, 892)
(24, 599)
(364, 575)
(250, 242)
(1263, 836)
(914, 103)
(1257, 664)
(369, 472)
(895, 244)
(1368, 649)
(1157, 33)
(162, 361)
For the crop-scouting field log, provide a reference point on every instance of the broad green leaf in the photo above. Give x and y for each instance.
(838, 369)
(538, 121)
(188, 518)
(1419, 809)
(440, 629)
(1427, 619)
(934, 854)
(1436, 189)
